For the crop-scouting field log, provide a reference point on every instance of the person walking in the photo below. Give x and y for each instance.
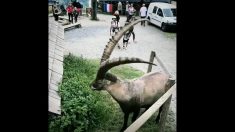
(120, 7)
(70, 12)
(116, 14)
(127, 7)
(55, 13)
(127, 36)
(75, 14)
(131, 11)
(143, 14)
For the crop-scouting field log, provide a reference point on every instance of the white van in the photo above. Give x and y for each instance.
(162, 15)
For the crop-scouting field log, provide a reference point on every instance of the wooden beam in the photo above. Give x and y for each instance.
(72, 25)
(146, 115)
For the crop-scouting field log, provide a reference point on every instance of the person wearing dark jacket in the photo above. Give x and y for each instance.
(75, 14)
(127, 36)
(116, 14)
(55, 13)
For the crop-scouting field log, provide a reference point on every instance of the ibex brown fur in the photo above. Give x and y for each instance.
(134, 94)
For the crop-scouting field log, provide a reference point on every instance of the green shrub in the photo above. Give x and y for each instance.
(82, 108)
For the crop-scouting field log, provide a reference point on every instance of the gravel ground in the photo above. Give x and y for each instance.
(90, 40)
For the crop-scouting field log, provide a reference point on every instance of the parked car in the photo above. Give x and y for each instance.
(162, 15)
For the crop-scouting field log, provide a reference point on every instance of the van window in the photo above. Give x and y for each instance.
(169, 12)
(155, 9)
(159, 12)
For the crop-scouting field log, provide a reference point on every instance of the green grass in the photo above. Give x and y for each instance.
(86, 110)
(126, 72)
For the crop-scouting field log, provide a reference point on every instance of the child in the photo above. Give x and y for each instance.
(127, 35)
(113, 28)
(75, 14)
(116, 14)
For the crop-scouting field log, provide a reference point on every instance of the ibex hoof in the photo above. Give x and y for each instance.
(122, 130)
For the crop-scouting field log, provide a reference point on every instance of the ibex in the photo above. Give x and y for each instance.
(134, 94)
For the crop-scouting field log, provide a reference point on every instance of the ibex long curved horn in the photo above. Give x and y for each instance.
(112, 42)
(107, 65)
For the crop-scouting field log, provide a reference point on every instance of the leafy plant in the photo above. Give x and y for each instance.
(82, 108)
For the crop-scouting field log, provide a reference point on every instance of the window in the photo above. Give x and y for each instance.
(155, 9)
(169, 12)
(159, 12)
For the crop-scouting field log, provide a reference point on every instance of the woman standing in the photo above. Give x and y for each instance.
(70, 12)
(131, 11)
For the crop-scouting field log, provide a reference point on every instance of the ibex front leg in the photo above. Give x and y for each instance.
(159, 115)
(135, 115)
(126, 116)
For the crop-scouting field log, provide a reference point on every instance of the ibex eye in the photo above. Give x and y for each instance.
(94, 85)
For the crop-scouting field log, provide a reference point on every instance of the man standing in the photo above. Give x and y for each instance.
(143, 13)
(120, 7)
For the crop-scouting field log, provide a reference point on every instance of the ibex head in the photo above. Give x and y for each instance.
(103, 79)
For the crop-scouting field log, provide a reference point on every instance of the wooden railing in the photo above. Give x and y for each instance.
(164, 101)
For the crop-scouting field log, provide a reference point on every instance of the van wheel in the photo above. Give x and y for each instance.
(163, 27)
(148, 22)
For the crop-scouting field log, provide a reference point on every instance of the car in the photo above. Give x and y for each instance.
(162, 15)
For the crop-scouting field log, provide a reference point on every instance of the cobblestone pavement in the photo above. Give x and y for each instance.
(90, 40)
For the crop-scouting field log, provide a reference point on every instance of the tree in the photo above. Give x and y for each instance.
(141, 2)
(94, 10)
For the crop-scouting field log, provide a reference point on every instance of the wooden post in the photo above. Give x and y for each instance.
(165, 108)
(152, 55)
